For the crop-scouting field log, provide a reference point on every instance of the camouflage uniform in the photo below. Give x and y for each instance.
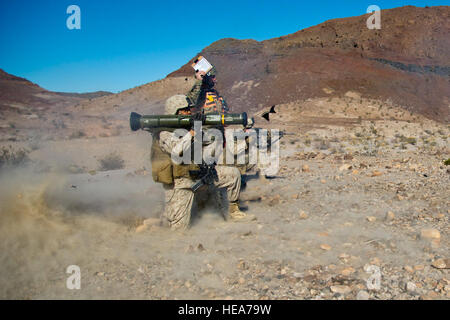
(197, 95)
(179, 198)
(194, 94)
(242, 150)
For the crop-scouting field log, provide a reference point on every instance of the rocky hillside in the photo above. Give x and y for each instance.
(25, 106)
(406, 62)
(20, 94)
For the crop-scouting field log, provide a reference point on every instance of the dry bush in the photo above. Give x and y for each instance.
(12, 158)
(112, 161)
(77, 135)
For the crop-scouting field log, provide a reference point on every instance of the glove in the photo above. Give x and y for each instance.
(197, 116)
(208, 82)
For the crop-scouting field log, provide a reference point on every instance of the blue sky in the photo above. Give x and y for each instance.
(123, 44)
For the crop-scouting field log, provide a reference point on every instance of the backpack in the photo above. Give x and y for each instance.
(163, 169)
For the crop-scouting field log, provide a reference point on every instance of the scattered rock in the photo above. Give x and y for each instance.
(363, 166)
(348, 157)
(325, 247)
(363, 295)
(411, 287)
(242, 265)
(430, 234)
(345, 167)
(371, 219)
(431, 295)
(376, 173)
(321, 156)
(375, 261)
(247, 234)
(344, 256)
(409, 269)
(353, 95)
(389, 216)
(305, 168)
(419, 267)
(441, 264)
(303, 215)
(342, 289)
(347, 271)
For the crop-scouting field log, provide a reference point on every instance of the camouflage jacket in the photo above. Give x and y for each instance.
(196, 96)
(193, 95)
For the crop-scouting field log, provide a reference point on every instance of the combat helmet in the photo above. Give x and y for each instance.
(175, 103)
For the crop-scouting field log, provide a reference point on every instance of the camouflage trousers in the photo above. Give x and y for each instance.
(179, 198)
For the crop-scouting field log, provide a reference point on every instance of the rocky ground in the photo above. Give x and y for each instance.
(360, 197)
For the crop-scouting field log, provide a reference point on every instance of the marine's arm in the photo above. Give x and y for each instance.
(170, 144)
(194, 94)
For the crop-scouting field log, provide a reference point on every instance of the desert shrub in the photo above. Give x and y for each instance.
(322, 145)
(77, 134)
(447, 162)
(12, 158)
(334, 139)
(112, 161)
(409, 140)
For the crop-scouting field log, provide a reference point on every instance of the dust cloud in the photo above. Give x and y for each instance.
(50, 219)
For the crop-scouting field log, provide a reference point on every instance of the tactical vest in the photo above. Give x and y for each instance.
(214, 104)
(163, 169)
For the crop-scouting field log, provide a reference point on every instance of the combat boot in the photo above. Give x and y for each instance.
(236, 214)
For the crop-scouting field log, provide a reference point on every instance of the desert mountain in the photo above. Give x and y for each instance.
(25, 105)
(18, 94)
(340, 62)
(405, 62)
